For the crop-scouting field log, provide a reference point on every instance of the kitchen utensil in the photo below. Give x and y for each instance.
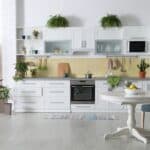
(63, 68)
(88, 75)
(123, 65)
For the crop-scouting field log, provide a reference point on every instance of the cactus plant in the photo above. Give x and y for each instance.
(143, 65)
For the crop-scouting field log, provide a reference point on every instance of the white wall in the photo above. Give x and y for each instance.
(8, 40)
(85, 12)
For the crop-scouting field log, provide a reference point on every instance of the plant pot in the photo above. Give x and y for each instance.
(1, 106)
(142, 74)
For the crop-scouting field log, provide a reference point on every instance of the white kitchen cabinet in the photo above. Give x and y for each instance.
(42, 96)
(28, 96)
(146, 85)
(56, 96)
(107, 34)
(135, 32)
(103, 106)
(83, 39)
(57, 34)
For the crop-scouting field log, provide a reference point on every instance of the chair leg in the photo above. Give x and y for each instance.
(142, 119)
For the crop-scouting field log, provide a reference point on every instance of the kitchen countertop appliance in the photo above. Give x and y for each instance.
(83, 91)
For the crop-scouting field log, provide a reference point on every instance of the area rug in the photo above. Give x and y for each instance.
(81, 116)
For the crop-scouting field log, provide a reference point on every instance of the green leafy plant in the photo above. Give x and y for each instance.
(113, 81)
(21, 69)
(110, 21)
(4, 93)
(143, 65)
(57, 21)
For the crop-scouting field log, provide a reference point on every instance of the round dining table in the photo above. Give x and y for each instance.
(130, 101)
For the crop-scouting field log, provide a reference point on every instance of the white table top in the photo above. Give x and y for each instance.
(122, 98)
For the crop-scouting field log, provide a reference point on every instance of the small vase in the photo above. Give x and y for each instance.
(142, 74)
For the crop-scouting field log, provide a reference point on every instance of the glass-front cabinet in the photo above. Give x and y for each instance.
(108, 46)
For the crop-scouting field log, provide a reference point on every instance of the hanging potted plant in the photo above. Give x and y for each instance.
(110, 21)
(4, 95)
(142, 68)
(57, 21)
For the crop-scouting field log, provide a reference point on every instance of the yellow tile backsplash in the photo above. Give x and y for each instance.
(97, 66)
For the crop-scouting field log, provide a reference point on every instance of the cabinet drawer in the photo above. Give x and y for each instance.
(33, 105)
(83, 108)
(28, 99)
(29, 91)
(56, 101)
(29, 83)
(56, 93)
(63, 84)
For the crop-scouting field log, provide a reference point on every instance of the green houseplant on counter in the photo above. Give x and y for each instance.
(57, 21)
(142, 68)
(21, 70)
(113, 82)
(110, 21)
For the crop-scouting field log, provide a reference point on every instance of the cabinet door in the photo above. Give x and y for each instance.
(57, 96)
(146, 85)
(104, 106)
(113, 33)
(28, 104)
(57, 34)
(101, 86)
(83, 38)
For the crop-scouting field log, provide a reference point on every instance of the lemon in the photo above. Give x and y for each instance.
(133, 87)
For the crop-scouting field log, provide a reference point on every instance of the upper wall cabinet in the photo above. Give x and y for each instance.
(136, 33)
(83, 39)
(107, 34)
(56, 34)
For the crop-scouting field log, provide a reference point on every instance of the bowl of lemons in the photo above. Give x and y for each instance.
(131, 89)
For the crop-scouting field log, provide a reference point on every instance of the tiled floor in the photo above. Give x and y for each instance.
(35, 132)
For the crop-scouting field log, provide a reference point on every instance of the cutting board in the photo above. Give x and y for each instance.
(63, 68)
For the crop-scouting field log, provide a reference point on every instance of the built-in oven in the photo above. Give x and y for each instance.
(83, 91)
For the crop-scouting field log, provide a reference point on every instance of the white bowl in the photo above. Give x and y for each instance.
(131, 92)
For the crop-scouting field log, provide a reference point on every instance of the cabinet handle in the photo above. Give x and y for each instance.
(83, 106)
(56, 91)
(29, 83)
(28, 92)
(56, 83)
(29, 102)
(57, 102)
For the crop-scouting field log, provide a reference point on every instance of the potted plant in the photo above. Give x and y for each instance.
(35, 33)
(110, 21)
(113, 82)
(21, 70)
(4, 95)
(33, 72)
(57, 21)
(142, 68)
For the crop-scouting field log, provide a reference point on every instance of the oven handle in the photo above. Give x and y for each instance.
(83, 86)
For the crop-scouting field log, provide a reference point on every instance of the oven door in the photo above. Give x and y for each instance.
(83, 94)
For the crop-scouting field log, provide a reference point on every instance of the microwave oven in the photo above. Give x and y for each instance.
(136, 46)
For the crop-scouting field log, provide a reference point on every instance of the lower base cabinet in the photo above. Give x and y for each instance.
(42, 96)
(54, 96)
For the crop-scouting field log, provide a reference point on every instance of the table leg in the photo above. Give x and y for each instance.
(131, 127)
